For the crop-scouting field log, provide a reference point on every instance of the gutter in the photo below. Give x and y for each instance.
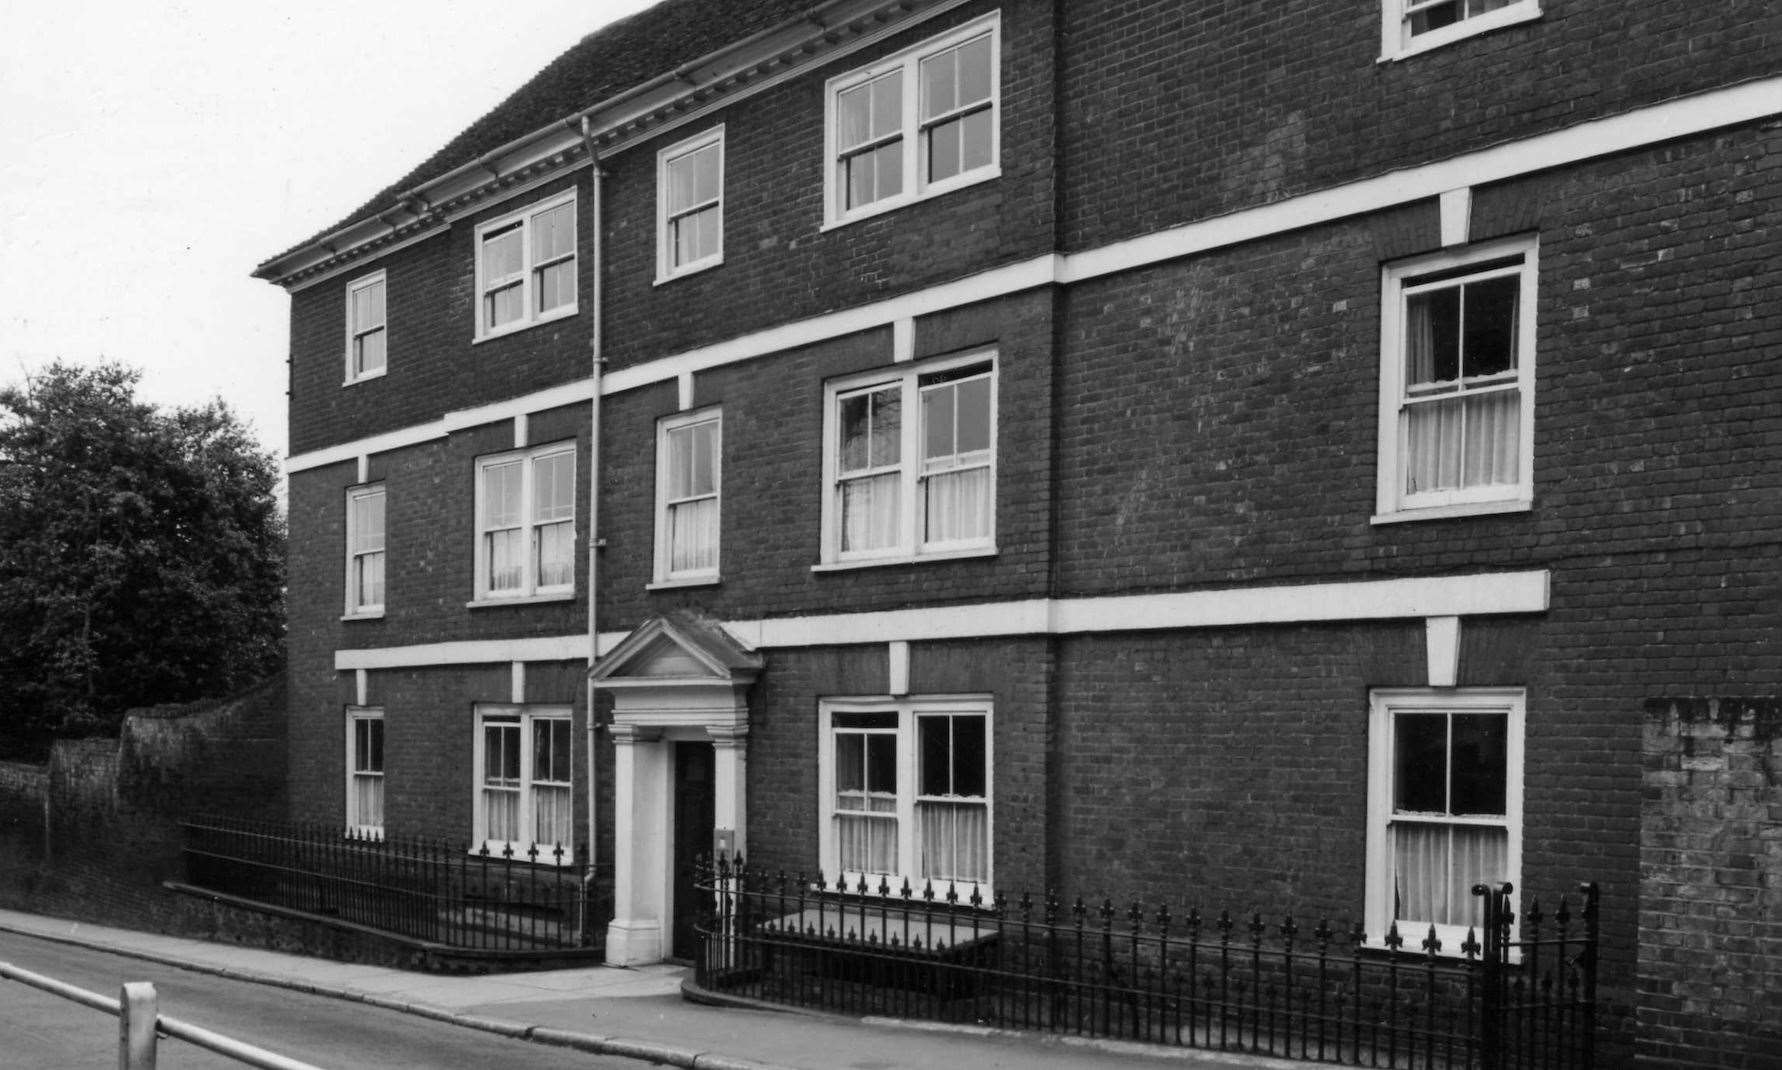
(580, 122)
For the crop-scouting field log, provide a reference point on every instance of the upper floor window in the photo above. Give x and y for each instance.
(525, 507)
(1444, 808)
(1457, 383)
(690, 205)
(365, 328)
(1415, 25)
(525, 799)
(525, 266)
(904, 794)
(910, 462)
(365, 771)
(688, 449)
(365, 551)
(915, 124)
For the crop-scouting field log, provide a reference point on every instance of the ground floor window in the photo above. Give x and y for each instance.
(365, 771)
(524, 797)
(1444, 807)
(905, 793)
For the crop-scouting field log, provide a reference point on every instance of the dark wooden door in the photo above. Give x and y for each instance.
(695, 806)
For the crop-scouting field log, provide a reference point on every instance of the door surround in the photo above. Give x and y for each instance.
(676, 678)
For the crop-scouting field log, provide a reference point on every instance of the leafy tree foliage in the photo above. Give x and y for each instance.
(141, 555)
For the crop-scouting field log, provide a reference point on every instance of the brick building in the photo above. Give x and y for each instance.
(1273, 453)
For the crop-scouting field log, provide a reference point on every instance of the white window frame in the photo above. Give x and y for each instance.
(907, 711)
(665, 574)
(1384, 705)
(355, 821)
(529, 270)
(530, 589)
(909, 61)
(354, 607)
(525, 717)
(354, 331)
(1392, 502)
(666, 268)
(1397, 42)
(910, 545)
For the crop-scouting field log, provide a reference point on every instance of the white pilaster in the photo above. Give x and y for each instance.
(1441, 636)
(641, 774)
(1457, 216)
(897, 666)
(730, 779)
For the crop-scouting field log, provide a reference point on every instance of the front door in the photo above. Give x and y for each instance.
(694, 818)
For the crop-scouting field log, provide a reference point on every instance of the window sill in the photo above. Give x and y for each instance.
(361, 833)
(1458, 509)
(892, 204)
(690, 269)
(908, 559)
(515, 328)
(670, 585)
(1449, 956)
(355, 381)
(1510, 16)
(546, 855)
(364, 615)
(521, 600)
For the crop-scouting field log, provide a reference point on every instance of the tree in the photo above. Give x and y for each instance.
(141, 555)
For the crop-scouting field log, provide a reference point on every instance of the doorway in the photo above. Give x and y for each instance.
(695, 816)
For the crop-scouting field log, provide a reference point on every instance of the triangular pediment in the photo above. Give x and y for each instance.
(678, 646)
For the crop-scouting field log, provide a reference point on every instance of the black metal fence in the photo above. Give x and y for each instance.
(1229, 982)
(430, 890)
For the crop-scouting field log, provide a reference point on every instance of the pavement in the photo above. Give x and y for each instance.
(640, 1013)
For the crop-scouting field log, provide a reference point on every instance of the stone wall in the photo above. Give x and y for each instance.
(109, 834)
(1710, 964)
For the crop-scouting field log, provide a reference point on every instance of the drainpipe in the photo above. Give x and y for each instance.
(596, 363)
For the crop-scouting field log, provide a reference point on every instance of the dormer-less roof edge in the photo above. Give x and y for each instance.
(426, 205)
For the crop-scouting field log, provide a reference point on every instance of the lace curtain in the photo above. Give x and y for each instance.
(368, 800)
(693, 535)
(1436, 866)
(1464, 437)
(957, 505)
(954, 839)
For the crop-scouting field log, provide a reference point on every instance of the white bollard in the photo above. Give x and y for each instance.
(136, 1026)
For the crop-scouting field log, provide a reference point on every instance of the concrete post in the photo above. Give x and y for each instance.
(136, 1026)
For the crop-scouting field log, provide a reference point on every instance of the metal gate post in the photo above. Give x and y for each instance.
(136, 1026)
(1491, 979)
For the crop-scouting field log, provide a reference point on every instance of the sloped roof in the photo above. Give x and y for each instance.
(603, 64)
(700, 637)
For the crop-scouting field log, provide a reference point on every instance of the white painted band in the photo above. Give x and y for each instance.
(1619, 133)
(1310, 603)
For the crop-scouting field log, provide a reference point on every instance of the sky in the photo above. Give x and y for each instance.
(151, 154)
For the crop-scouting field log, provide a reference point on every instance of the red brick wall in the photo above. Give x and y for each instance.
(433, 366)
(778, 262)
(783, 743)
(773, 486)
(1178, 112)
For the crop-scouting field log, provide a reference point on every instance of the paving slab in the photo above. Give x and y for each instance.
(641, 1013)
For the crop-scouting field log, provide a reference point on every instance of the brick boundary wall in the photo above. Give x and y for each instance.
(1710, 958)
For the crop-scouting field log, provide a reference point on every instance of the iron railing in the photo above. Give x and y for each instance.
(429, 890)
(1221, 981)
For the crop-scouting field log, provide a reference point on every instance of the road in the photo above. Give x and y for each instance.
(39, 1031)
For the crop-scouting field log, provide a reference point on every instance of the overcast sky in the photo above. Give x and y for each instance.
(152, 153)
